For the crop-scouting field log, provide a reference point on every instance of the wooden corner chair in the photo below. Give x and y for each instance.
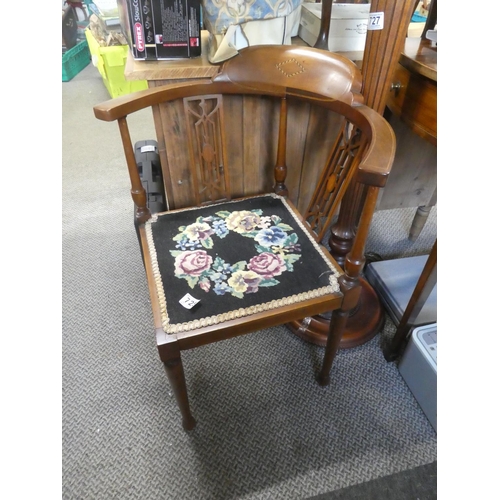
(234, 254)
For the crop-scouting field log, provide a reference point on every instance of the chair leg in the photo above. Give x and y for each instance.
(175, 373)
(336, 329)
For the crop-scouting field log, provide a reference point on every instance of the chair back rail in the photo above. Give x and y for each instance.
(292, 128)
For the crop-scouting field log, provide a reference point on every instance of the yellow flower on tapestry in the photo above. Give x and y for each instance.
(241, 281)
(198, 231)
(242, 221)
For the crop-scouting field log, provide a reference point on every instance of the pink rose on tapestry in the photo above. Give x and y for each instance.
(192, 262)
(267, 264)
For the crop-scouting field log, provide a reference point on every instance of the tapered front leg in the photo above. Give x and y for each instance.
(172, 362)
(337, 326)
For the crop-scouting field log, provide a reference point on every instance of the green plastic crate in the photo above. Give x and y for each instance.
(74, 60)
(110, 61)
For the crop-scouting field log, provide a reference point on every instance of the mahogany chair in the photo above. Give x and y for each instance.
(233, 255)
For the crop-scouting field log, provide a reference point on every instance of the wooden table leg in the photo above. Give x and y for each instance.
(324, 29)
(421, 216)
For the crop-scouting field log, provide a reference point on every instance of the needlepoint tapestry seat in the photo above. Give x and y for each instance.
(236, 258)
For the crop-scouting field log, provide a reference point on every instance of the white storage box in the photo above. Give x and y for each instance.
(418, 367)
(348, 25)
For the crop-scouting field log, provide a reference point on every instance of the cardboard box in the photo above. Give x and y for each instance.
(161, 29)
(348, 25)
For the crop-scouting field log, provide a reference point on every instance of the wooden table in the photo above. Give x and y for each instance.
(162, 72)
(412, 112)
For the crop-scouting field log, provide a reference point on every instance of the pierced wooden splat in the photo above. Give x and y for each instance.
(342, 163)
(204, 118)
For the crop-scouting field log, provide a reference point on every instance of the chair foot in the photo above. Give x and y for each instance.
(188, 424)
(389, 354)
(323, 380)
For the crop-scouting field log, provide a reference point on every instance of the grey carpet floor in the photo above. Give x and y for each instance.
(265, 429)
(419, 483)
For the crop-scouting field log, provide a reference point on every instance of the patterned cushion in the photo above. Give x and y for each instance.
(236, 258)
(218, 15)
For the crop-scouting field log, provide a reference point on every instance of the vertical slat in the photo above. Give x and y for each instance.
(341, 166)
(269, 131)
(298, 122)
(174, 136)
(259, 152)
(251, 145)
(167, 181)
(160, 139)
(280, 168)
(233, 131)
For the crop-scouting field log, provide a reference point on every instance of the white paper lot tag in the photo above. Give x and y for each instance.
(188, 301)
(376, 21)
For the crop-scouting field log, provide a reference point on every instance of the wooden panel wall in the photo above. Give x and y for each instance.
(250, 130)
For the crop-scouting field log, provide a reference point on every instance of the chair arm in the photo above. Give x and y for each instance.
(121, 106)
(377, 162)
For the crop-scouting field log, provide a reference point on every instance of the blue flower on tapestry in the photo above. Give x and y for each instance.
(271, 236)
(222, 288)
(220, 228)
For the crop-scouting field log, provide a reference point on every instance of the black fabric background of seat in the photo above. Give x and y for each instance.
(310, 271)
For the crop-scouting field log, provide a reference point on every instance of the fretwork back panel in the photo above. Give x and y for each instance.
(242, 135)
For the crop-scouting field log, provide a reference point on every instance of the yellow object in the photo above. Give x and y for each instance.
(110, 61)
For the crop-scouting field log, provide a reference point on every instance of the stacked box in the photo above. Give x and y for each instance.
(74, 60)
(110, 61)
(162, 29)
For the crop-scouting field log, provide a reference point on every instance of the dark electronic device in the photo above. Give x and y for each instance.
(148, 163)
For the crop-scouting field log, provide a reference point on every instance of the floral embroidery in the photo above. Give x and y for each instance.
(277, 249)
